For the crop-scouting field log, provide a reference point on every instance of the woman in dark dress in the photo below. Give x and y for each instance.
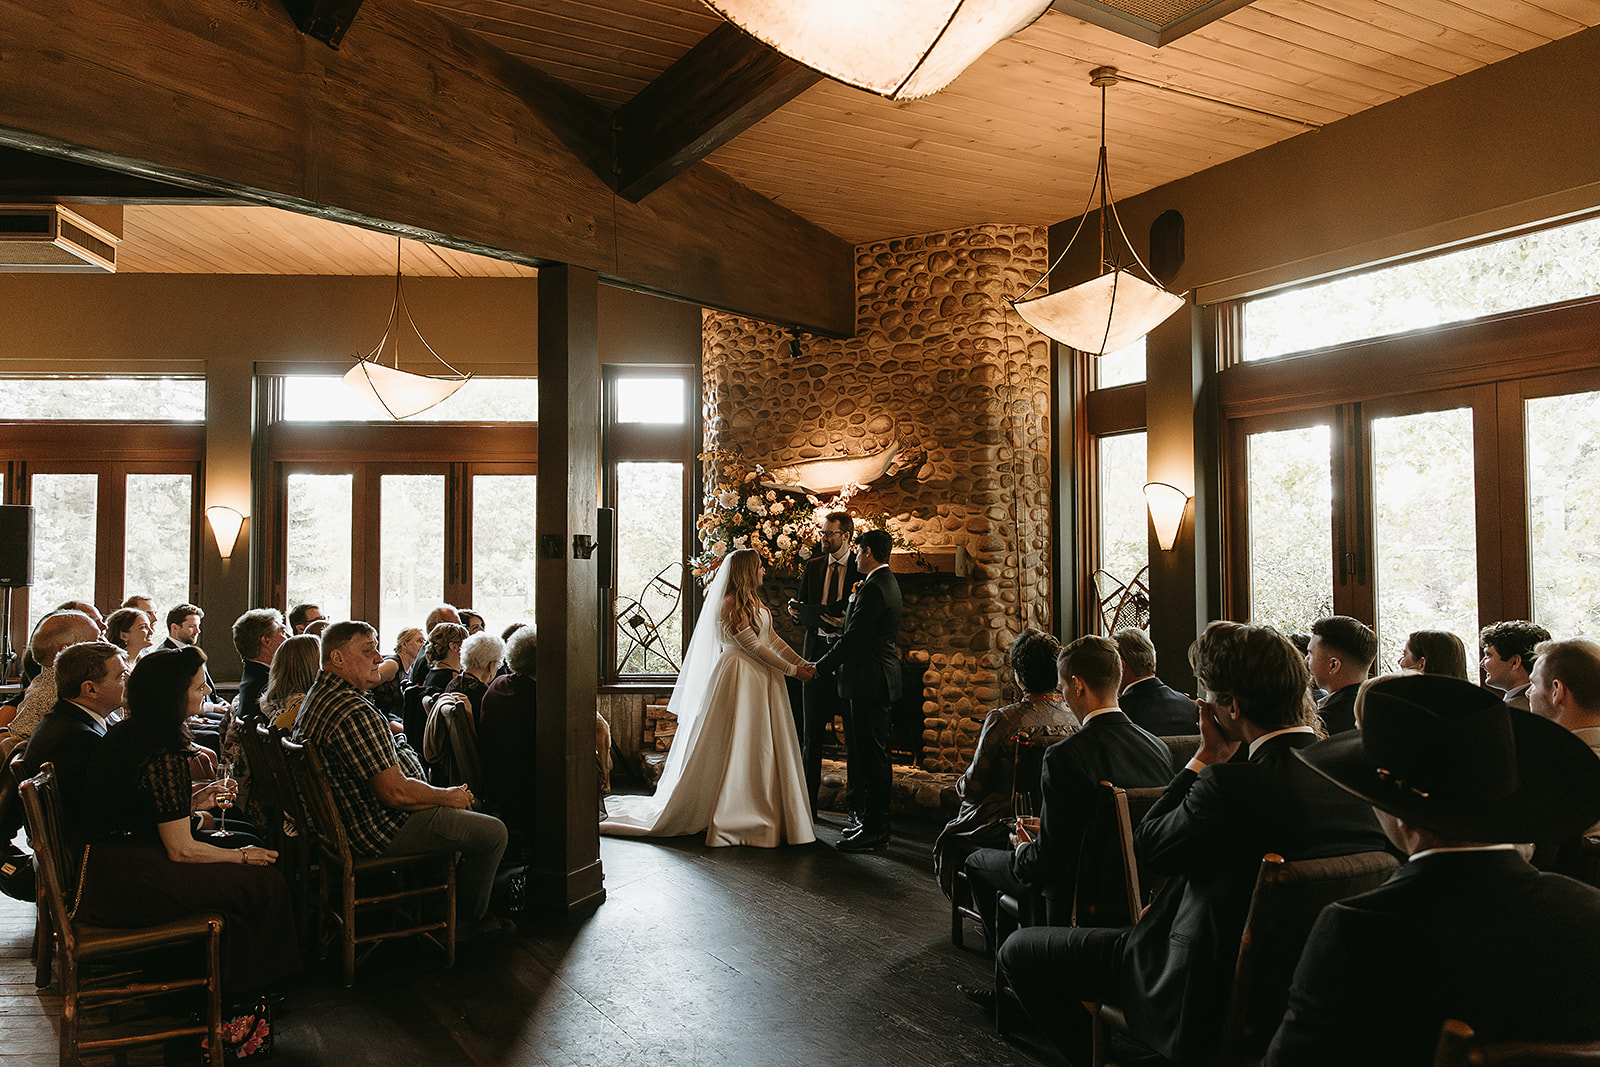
(144, 866)
(444, 656)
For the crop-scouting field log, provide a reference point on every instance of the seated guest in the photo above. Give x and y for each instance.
(88, 609)
(1434, 652)
(143, 603)
(183, 630)
(130, 629)
(1108, 748)
(303, 615)
(92, 677)
(480, 662)
(1171, 972)
(986, 788)
(144, 866)
(389, 693)
(1151, 703)
(257, 634)
(506, 732)
(387, 807)
(1340, 655)
(442, 613)
(1565, 687)
(295, 667)
(1508, 658)
(444, 655)
(1465, 929)
(472, 621)
(54, 633)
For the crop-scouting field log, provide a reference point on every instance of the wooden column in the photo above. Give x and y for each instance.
(564, 863)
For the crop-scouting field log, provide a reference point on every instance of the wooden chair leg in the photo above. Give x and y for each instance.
(347, 929)
(44, 947)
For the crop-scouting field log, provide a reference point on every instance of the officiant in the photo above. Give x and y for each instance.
(826, 581)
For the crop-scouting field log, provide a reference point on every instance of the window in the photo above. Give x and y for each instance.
(1124, 516)
(325, 398)
(1122, 367)
(1563, 459)
(104, 399)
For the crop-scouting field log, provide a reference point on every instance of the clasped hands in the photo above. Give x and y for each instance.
(806, 671)
(1027, 829)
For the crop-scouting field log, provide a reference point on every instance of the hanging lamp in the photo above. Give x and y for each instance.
(902, 49)
(1115, 308)
(401, 393)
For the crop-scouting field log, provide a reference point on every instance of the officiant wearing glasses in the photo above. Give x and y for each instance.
(827, 580)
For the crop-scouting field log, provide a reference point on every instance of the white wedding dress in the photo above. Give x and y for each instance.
(734, 769)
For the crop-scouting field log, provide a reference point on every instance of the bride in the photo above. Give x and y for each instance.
(734, 768)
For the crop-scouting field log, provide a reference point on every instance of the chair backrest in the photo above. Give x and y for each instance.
(1459, 1047)
(266, 787)
(1106, 891)
(1288, 898)
(1182, 749)
(462, 766)
(41, 803)
(312, 782)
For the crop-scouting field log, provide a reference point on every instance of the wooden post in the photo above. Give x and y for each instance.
(564, 872)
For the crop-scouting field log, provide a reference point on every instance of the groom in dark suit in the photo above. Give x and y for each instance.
(866, 665)
(827, 580)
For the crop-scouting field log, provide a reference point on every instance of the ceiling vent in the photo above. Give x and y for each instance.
(52, 239)
(1151, 22)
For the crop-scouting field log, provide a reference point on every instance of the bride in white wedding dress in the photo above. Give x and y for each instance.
(734, 768)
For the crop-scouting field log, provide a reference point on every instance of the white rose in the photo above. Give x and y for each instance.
(757, 508)
(772, 494)
(720, 548)
(741, 541)
(728, 498)
(777, 509)
(784, 543)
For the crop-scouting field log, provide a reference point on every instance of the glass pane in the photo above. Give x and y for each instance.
(319, 542)
(1563, 521)
(1424, 528)
(323, 398)
(504, 548)
(411, 531)
(649, 544)
(162, 399)
(1291, 527)
(1124, 521)
(64, 507)
(159, 538)
(650, 400)
(1121, 367)
(1547, 267)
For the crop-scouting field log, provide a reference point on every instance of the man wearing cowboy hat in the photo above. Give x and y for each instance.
(1465, 929)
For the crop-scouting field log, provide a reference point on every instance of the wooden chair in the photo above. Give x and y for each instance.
(341, 869)
(275, 789)
(1287, 899)
(84, 946)
(1025, 779)
(1459, 1047)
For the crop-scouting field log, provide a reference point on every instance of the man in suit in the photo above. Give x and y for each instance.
(1151, 703)
(1340, 654)
(1466, 929)
(55, 632)
(256, 635)
(1108, 747)
(91, 678)
(1171, 972)
(866, 664)
(827, 580)
(1509, 657)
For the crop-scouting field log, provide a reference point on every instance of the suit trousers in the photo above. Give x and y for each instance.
(821, 701)
(1053, 969)
(990, 873)
(479, 839)
(866, 740)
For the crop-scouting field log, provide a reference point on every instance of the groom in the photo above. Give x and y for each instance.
(866, 666)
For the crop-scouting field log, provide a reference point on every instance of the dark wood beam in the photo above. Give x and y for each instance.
(424, 129)
(720, 88)
(325, 20)
(26, 177)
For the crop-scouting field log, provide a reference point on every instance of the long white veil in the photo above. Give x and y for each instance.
(691, 694)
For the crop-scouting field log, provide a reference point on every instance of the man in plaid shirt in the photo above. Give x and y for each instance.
(387, 806)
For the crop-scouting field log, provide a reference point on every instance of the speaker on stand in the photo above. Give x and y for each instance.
(16, 571)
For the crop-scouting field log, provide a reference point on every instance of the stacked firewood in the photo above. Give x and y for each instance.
(659, 727)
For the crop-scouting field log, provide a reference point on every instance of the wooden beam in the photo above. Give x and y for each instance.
(418, 127)
(26, 177)
(720, 88)
(324, 20)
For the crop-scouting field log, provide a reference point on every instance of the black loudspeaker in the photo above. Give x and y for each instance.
(1166, 246)
(16, 545)
(606, 539)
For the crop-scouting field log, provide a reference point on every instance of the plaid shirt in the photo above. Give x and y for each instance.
(354, 742)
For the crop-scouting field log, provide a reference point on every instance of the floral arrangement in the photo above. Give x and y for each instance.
(784, 527)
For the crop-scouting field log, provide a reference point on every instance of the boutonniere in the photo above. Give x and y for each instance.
(854, 589)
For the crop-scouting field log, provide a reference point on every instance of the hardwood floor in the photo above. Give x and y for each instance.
(699, 958)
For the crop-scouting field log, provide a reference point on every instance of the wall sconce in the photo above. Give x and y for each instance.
(1167, 504)
(225, 523)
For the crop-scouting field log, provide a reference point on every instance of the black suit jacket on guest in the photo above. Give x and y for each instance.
(813, 587)
(1338, 709)
(1209, 832)
(252, 684)
(67, 736)
(1159, 708)
(1476, 936)
(865, 660)
(1107, 748)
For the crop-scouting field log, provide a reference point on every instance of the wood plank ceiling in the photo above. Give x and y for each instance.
(1012, 140)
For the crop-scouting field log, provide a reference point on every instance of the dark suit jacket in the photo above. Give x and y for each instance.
(1338, 709)
(864, 659)
(813, 582)
(1107, 748)
(1208, 832)
(67, 736)
(1159, 708)
(252, 683)
(169, 644)
(1476, 936)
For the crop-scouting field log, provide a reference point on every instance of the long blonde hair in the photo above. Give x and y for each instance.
(744, 589)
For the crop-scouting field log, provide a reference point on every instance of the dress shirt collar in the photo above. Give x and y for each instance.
(1100, 711)
(1515, 691)
(842, 557)
(96, 716)
(1264, 738)
(1507, 847)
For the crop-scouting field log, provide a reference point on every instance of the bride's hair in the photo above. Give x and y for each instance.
(743, 566)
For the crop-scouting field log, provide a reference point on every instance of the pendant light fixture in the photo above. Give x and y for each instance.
(401, 393)
(902, 49)
(1117, 307)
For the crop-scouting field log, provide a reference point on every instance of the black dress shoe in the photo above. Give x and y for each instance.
(982, 996)
(852, 824)
(863, 841)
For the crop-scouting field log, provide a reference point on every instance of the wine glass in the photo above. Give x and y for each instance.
(228, 790)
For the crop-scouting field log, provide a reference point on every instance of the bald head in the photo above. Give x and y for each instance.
(57, 632)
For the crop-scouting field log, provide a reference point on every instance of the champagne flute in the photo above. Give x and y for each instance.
(229, 789)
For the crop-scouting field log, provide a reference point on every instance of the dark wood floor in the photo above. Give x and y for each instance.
(699, 957)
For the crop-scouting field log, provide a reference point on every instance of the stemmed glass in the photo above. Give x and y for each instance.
(1021, 806)
(228, 790)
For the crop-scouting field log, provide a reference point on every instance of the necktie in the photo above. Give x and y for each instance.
(835, 583)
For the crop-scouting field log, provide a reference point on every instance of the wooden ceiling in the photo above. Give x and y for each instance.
(1012, 140)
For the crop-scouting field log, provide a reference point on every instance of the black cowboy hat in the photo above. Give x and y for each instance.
(1453, 758)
